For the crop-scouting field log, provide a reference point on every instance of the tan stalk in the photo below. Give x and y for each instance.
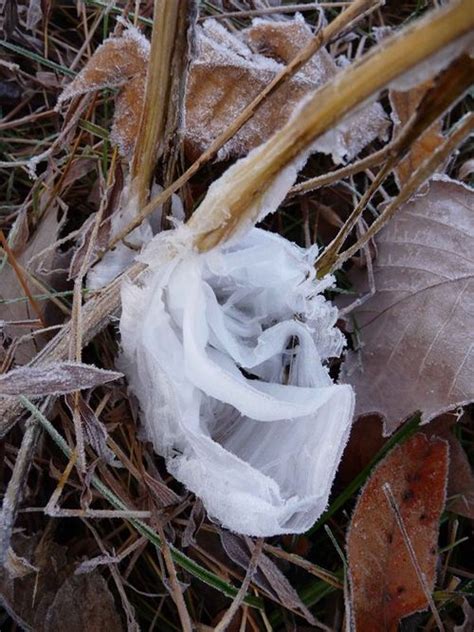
(338, 174)
(462, 130)
(355, 11)
(326, 108)
(449, 86)
(157, 89)
(237, 201)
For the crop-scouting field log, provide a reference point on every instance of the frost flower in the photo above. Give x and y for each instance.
(225, 352)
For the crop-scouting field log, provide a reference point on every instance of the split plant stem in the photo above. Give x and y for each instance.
(157, 90)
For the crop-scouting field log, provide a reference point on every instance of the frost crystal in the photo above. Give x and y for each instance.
(225, 353)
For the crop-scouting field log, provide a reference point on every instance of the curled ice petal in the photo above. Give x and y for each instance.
(225, 352)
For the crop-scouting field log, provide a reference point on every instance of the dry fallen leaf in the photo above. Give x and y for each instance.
(226, 75)
(385, 586)
(404, 105)
(55, 379)
(52, 598)
(120, 62)
(417, 330)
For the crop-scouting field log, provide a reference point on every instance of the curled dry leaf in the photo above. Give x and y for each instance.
(55, 379)
(404, 105)
(417, 330)
(385, 586)
(228, 72)
(120, 62)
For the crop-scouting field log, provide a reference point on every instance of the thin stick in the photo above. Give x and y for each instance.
(338, 174)
(356, 9)
(14, 492)
(406, 538)
(289, 8)
(176, 592)
(235, 605)
(426, 170)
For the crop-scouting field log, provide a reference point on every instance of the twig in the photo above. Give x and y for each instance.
(14, 492)
(338, 174)
(406, 538)
(285, 8)
(425, 171)
(176, 592)
(235, 605)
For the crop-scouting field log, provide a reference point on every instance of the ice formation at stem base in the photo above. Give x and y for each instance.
(225, 353)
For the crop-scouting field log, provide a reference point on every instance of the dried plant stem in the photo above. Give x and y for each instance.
(285, 8)
(406, 538)
(76, 344)
(354, 11)
(176, 592)
(235, 605)
(157, 90)
(13, 494)
(338, 174)
(328, 105)
(462, 130)
(449, 86)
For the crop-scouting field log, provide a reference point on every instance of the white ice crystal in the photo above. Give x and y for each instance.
(225, 352)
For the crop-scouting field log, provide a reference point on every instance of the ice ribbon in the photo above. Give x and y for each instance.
(225, 353)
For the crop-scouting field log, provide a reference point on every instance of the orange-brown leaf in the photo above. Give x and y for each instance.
(385, 586)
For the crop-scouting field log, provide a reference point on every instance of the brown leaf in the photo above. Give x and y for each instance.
(83, 602)
(118, 62)
(55, 379)
(53, 599)
(404, 105)
(385, 586)
(224, 78)
(416, 331)
(227, 75)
